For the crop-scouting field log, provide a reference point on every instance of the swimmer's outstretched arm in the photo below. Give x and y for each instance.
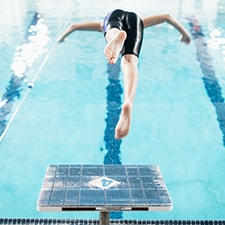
(154, 20)
(88, 26)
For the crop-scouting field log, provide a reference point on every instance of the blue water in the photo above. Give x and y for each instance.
(68, 117)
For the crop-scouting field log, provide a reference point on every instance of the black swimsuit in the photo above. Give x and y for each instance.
(131, 24)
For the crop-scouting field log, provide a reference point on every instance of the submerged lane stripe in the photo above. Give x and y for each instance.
(209, 78)
(36, 38)
(114, 102)
(25, 55)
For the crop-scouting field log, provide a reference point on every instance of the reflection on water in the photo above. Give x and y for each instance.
(217, 35)
(209, 78)
(221, 14)
(36, 38)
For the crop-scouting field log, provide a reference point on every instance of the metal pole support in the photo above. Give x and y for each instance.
(104, 218)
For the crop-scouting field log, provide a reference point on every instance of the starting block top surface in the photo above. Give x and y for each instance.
(103, 188)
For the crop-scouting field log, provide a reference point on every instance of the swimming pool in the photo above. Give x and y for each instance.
(68, 116)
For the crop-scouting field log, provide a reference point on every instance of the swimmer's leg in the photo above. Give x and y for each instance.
(115, 39)
(130, 71)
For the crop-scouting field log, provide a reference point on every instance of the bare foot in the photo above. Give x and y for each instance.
(113, 47)
(123, 126)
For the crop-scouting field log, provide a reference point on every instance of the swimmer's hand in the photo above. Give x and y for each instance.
(60, 39)
(185, 38)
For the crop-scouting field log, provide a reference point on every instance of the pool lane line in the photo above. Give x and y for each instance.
(13, 115)
(211, 83)
(14, 88)
(20, 64)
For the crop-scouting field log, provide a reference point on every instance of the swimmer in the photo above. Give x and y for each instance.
(123, 32)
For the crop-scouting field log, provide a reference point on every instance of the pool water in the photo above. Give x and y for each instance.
(69, 115)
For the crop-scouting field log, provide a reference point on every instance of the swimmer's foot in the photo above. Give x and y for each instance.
(113, 47)
(123, 125)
